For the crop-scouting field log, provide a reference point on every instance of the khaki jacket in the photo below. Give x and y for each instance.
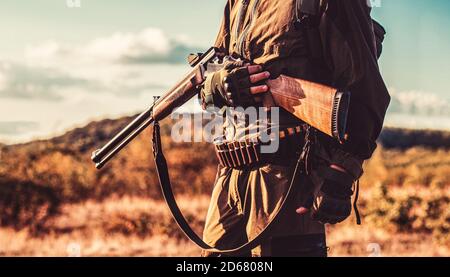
(263, 31)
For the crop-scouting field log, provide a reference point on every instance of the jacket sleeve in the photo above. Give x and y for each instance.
(350, 50)
(223, 37)
(207, 98)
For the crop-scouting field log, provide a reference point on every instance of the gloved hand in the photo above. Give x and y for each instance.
(237, 84)
(333, 202)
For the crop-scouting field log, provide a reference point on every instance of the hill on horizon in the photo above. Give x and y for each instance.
(45, 173)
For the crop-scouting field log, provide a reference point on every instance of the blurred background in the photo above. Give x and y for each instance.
(72, 73)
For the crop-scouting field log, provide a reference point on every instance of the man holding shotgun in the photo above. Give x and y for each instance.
(333, 43)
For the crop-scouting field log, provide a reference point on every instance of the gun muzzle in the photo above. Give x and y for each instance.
(101, 156)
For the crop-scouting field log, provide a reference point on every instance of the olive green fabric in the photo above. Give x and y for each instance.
(244, 201)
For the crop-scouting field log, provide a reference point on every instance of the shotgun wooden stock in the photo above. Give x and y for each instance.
(324, 108)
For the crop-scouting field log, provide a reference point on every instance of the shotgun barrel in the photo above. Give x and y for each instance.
(182, 92)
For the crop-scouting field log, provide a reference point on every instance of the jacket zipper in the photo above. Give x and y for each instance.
(241, 41)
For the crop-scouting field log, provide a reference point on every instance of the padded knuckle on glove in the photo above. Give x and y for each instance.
(238, 88)
(240, 73)
(230, 65)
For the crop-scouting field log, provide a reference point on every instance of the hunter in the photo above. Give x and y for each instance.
(333, 42)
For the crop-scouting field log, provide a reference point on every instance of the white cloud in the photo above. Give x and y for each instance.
(418, 109)
(13, 128)
(3, 81)
(4, 68)
(419, 103)
(150, 45)
(28, 82)
(124, 64)
(148, 42)
(44, 51)
(59, 86)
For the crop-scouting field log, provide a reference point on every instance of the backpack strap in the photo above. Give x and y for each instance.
(308, 15)
(309, 12)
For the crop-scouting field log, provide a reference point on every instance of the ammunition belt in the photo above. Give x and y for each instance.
(238, 154)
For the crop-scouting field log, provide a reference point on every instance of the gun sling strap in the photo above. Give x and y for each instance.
(166, 187)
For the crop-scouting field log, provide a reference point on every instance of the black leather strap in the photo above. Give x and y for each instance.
(164, 180)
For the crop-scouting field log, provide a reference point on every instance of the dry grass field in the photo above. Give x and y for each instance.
(54, 203)
(133, 226)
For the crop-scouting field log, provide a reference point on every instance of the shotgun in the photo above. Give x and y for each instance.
(324, 108)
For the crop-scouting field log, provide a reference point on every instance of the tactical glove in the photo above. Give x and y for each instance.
(333, 202)
(232, 85)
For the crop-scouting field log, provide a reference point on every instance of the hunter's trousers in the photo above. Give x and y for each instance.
(245, 200)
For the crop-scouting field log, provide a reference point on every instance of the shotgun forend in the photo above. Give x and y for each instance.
(182, 92)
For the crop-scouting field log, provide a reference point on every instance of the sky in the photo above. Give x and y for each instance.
(65, 63)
